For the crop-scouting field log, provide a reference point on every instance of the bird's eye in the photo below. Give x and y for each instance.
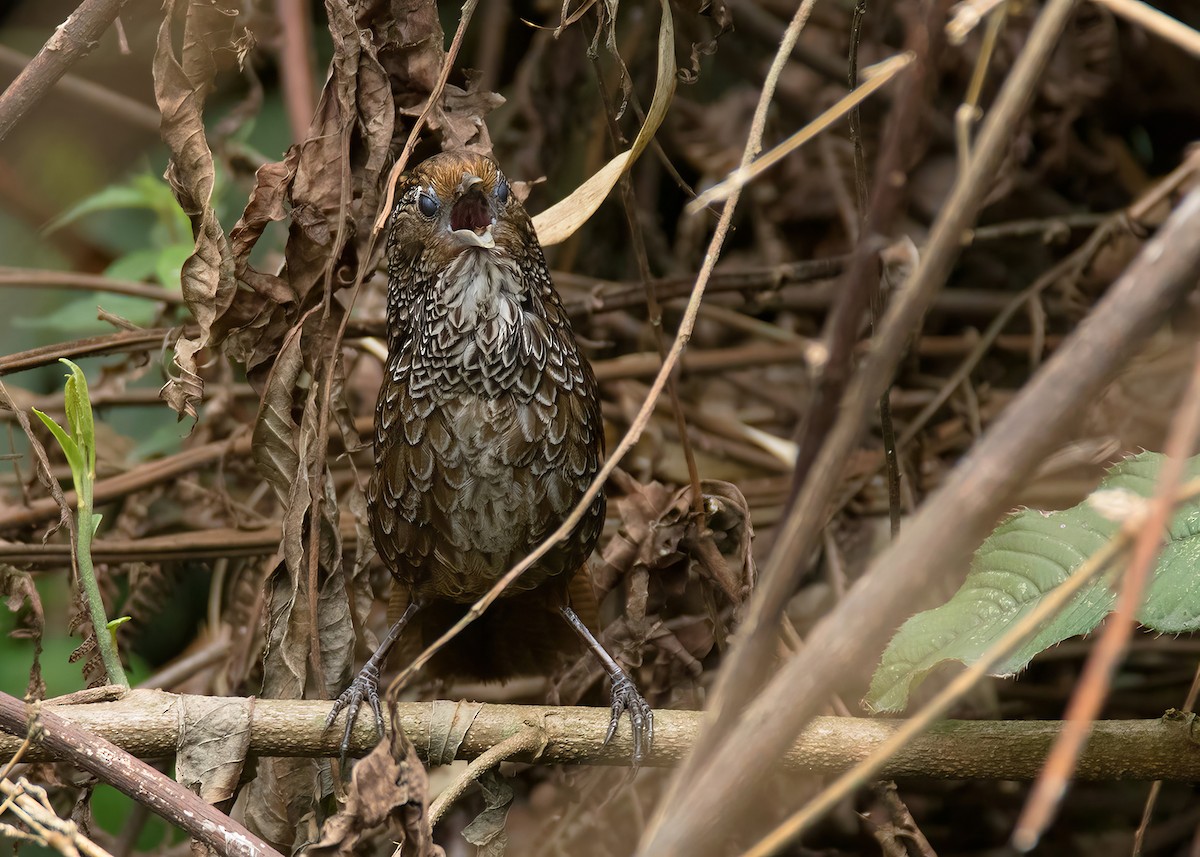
(427, 204)
(502, 190)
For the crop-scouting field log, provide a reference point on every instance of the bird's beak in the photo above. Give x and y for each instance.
(471, 218)
(476, 239)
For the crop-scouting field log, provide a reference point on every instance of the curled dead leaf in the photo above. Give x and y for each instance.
(388, 787)
(181, 83)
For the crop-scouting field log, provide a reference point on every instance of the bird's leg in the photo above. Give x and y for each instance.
(625, 696)
(366, 683)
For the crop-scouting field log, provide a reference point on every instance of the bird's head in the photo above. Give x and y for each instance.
(452, 203)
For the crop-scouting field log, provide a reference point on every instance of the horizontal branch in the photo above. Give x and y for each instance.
(192, 544)
(43, 279)
(146, 724)
(134, 479)
(123, 341)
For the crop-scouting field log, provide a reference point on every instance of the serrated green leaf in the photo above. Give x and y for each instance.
(1025, 558)
(1173, 599)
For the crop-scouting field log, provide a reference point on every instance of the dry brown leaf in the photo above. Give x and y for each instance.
(388, 787)
(280, 800)
(283, 329)
(449, 723)
(301, 622)
(460, 115)
(180, 87)
(329, 184)
(17, 589)
(721, 548)
(487, 830)
(214, 736)
(639, 508)
(286, 453)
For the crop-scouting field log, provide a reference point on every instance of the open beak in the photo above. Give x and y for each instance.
(472, 238)
(471, 217)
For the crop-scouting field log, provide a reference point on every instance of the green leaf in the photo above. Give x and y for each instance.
(78, 406)
(168, 266)
(1173, 598)
(69, 447)
(135, 265)
(145, 192)
(1027, 556)
(110, 198)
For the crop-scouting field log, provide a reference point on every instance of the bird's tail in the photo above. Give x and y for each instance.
(520, 635)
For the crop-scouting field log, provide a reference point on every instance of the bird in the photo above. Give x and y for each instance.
(488, 433)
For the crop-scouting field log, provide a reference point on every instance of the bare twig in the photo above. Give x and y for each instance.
(1139, 835)
(136, 113)
(745, 280)
(526, 741)
(73, 40)
(87, 282)
(31, 806)
(1159, 23)
(194, 544)
(968, 112)
(966, 17)
(122, 341)
(942, 534)
(881, 74)
(134, 479)
(742, 675)
(295, 63)
(1072, 264)
(135, 778)
(653, 307)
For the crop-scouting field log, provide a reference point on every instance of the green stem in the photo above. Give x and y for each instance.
(86, 527)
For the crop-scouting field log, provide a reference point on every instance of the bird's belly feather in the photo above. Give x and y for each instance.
(470, 502)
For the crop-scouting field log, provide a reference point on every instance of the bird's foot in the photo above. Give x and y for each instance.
(365, 686)
(625, 697)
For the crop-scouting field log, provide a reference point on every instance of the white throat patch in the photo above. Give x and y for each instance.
(481, 293)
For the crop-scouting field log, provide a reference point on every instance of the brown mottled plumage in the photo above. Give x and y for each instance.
(487, 433)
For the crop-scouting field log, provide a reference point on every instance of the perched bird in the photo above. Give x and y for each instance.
(487, 433)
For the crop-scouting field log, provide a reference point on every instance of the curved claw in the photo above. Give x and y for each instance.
(625, 697)
(365, 686)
